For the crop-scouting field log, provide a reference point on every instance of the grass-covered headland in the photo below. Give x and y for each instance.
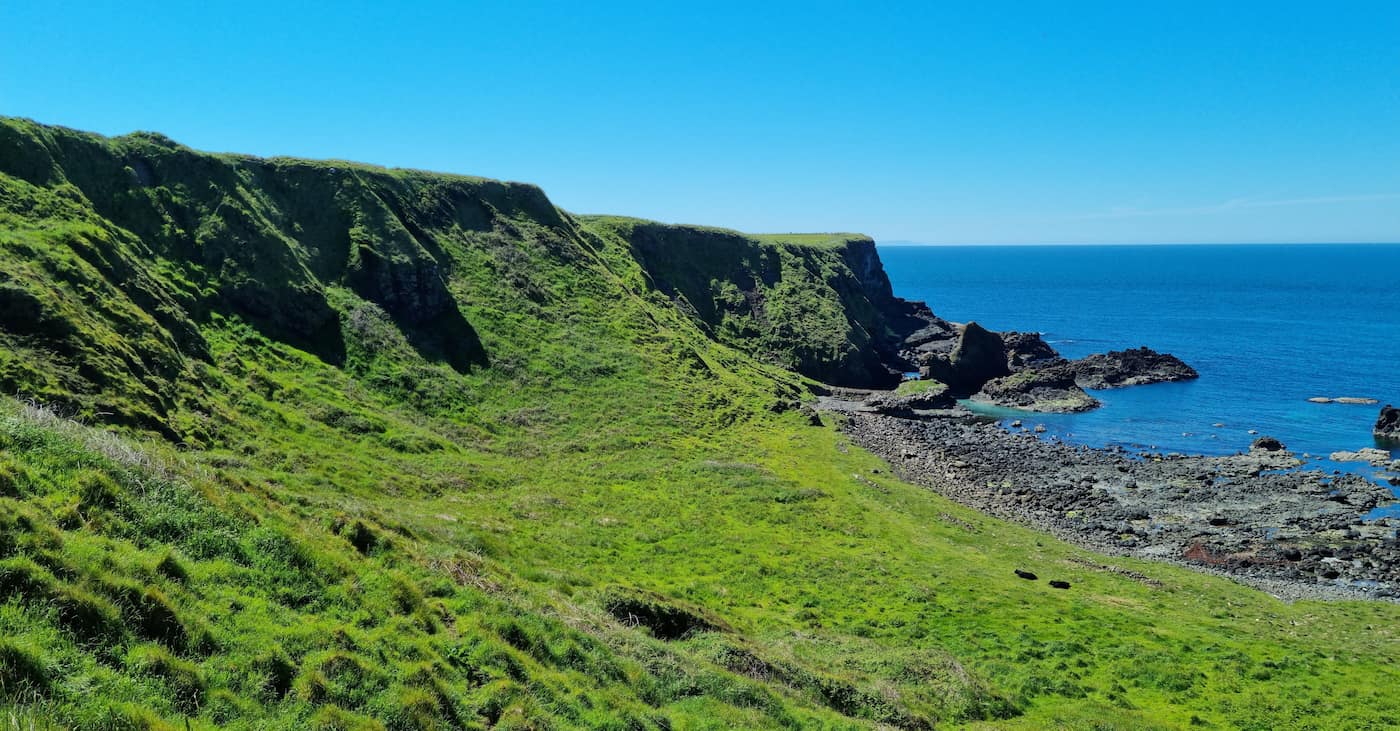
(295, 444)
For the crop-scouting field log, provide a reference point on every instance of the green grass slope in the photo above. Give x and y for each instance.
(818, 304)
(345, 447)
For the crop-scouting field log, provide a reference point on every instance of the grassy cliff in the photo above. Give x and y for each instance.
(818, 304)
(318, 445)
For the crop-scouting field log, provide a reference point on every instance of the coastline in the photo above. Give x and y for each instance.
(1262, 518)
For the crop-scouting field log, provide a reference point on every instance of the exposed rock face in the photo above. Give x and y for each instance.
(1132, 367)
(412, 289)
(743, 290)
(1388, 424)
(1025, 349)
(978, 356)
(1267, 444)
(1049, 389)
(1020, 370)
(936, 337)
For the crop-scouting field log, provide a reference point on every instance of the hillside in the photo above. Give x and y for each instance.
(300, 444)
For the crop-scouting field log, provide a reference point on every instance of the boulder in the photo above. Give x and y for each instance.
(911, 397)
(1132, 367)
(1267, 444)
(1026, 349)
(978, 356)
(1388, 425)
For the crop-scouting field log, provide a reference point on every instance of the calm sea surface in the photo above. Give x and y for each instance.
(1267, 327)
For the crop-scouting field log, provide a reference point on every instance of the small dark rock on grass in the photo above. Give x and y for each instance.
(1028, 576)
(1057, 584)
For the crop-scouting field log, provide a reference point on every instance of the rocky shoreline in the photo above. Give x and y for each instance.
(1021, 371)
(1259, 517)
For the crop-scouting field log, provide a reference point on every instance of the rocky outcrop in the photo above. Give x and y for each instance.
(978, 356)
(1132, 367)
(1267, 444)
(1027, 349)
(1050, 389)
(911, 398)
(934, 338)
(1021, 371)
(1370, 455)
(1388, 425)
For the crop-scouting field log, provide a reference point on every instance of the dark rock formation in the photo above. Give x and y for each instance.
(978, 356)
(1026, 349)
(936, 337)
(1267, 444)
(1132, 367)
(1048, 389)
(1388, 424)
(1020, 370)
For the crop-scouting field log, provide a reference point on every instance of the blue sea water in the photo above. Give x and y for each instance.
(1267, 327)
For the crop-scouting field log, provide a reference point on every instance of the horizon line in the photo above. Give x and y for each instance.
(915, 244)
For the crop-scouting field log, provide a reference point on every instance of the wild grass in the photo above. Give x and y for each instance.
(612, 521)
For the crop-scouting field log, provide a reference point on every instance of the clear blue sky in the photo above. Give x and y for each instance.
(936, 122)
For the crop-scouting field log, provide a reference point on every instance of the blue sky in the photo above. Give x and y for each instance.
(946, 122)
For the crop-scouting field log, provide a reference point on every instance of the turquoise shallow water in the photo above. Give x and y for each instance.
(1267, 326)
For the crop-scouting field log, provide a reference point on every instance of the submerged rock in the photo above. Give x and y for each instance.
(1378, 457)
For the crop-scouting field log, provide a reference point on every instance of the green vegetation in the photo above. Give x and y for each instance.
(922, 385)
(345, 447)
(818, 304)
(820, 241)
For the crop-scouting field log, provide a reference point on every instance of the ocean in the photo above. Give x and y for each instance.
(1267, 327)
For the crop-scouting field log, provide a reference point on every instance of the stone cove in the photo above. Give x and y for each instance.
(1266, 327)
(1259, 516)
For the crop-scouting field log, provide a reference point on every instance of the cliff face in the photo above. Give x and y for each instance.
(817, 304)
(118, 250)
